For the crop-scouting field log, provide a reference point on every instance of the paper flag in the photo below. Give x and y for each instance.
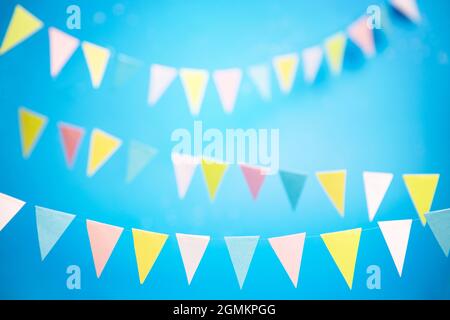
(421, 188)
(408, 8)
(343, 247)
(194, 82)
(227, 83)
(51, 225)
(293, 184)
(71, 137)
(97, 60)
(312, 59)
(439, 223)
(184, 167)
(31, 125)
(21, 26)
(213, 173)
(396, 235)
(160, 79)
(335, 49)
(192, 249)
(127, 67)
(286, 68)
(289, 250)
(333, 183)
(260, 75)
(62, 47)
(254, 177)
(101, 147)
(147, 247)
(360, 33)
(103, 238)
(241, 250)
(139, 155)
(9, 207)
(375, 185)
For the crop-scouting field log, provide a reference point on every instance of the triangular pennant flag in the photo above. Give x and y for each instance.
(9, 207)
(343, 247)
(260, 75)
(408, 8)
(360, 33)
(97, 60)
(103, 238)
(312, 59)
(194, 82)
(101, 147)
(396, 235)
(192, 248)
(147, 247)
(333, 183)
(21, 26)
(254, 177)
(375, 185)
(184, 167)
(335, 48)
(289, 250)
(31, 125)
(139, 155)
(160, 79)
(286, 68)
(127, 67)
(293, 184)
(421, 188)
(51, 225)
(213, 172)
(241, 250)
(71, 137)
(439, 223)
(62, 47)
(227, 83)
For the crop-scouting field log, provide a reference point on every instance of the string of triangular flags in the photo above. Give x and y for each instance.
(24, 24)
(342, 245)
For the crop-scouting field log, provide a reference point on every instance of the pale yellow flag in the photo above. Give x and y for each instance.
(333, 183)
(194, 82)
(335, 49)
(286, 68)
(31, 125)
(421, 188)
(213, 173)
(102, 146)
(97, 60)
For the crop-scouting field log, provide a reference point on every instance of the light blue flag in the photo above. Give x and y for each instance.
(139, 155)
(51, 225)
(439, 222)
(241, 250)
(293, 184)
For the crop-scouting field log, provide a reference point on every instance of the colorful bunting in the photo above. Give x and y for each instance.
(139, 155)
(9, 207)
(333, 183)
(213, 172)
(360, 33)
(192, 249)
(396, 235)
(293, 184)
(260, 75)
(160, 79)
(127, 67)
(97, 60)
(312, 60)
(194, 83)
(375, 185)
(421, 188)
(241, 250)
(286, 68)
(51, 225)
(254, 177)
(227, 83)
(289, 250)
(71, 137)
(184, 167)
(21, 26)
(408, 8)
(31, 125)
(335, 48)
(103, 239)
(147, 247)
(343, 247)
(439, 223)
(102, 146)
(62, 47)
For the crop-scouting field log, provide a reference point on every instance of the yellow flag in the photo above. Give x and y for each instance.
(286, 68)
(343, 247)
(194, 83)
(333, 183)
(31, 126)
(97, 59)
(22, 26)
(335, 48)
(102, 146)
(421, 188)
(147, 246)
(213, 173)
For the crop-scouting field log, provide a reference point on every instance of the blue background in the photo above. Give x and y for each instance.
(387, 114)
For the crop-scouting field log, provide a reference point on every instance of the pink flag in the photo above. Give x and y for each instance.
(71, 137)
(184, 167)
(360, 33)
(227, 84)
(160, 79)
(62, 47)
(408, 8)
(312, 59)
(254, 177)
